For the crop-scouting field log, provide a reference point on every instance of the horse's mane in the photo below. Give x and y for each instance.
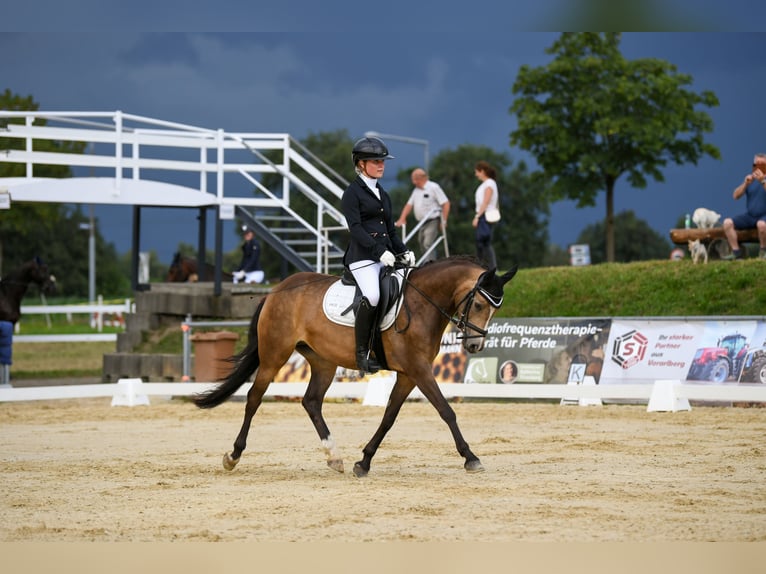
(456, 259)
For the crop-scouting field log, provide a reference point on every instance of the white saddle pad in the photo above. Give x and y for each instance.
(339, 297)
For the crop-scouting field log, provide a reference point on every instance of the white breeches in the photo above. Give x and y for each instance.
(367, 276)
(251, 277)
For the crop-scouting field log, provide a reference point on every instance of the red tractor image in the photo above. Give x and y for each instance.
(719, 363)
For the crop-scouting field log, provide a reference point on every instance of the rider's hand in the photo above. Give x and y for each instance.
(408, 258)
(388, 259)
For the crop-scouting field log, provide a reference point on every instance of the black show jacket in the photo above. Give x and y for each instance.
(370, 223)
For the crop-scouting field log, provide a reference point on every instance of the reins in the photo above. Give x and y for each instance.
(462, 323)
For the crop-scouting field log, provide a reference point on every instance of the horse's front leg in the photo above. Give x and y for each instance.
(430, 389)
(399, 393)
(322, 374)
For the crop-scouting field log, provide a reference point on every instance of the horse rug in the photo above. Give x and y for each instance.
(338, 302)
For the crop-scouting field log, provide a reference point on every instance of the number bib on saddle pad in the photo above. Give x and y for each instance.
(340, 297)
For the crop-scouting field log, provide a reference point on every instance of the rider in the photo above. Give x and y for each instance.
(373, 239)
(249, 270)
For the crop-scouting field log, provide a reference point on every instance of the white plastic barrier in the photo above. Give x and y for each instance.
(668, 396)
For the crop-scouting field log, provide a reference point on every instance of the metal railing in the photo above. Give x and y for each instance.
(186, 328)
(442, 238)
(170, 163)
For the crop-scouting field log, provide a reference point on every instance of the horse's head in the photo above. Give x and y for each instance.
(38, 273)
(176, 273)
(479, 305)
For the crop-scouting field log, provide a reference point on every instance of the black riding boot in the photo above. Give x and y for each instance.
(365, 321)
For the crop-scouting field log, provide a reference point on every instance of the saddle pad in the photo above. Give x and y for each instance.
(339, 297)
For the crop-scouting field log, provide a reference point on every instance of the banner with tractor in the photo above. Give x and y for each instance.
(712, 351)
(612, 351)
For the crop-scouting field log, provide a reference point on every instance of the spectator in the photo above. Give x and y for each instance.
(429, 201)
(752, 187)
(373, 239)
(249, 270)
(487, 196)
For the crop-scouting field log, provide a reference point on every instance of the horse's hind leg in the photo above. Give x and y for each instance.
(263, 378)
(399, 393)
(322, 374)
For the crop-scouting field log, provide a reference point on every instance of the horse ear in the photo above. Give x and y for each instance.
(509, 275)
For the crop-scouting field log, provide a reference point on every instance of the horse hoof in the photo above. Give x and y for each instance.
(228, 462)
(336, 464)
(359, 471)
(473, 466)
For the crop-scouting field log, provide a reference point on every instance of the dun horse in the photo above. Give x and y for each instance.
(14, 286)
(456, 290)
(184, 269)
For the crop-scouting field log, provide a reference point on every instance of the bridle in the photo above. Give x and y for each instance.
(461, 321)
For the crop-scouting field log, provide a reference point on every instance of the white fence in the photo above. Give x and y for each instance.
(660, 396)
(97, 312)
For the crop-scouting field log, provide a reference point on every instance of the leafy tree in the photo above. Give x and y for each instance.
(591, 116)
(556, 256)
(635, 240)
(521, 235)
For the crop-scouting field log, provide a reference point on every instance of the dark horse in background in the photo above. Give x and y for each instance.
(184, 269)
(13, 287)
(290, 318)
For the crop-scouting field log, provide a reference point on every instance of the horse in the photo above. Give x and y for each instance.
(14, 286)
(184, 269)
(457, 289)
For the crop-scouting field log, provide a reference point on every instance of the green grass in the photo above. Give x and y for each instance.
(58, 360)
(643, 289)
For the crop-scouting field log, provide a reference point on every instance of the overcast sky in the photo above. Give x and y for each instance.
(449, 88)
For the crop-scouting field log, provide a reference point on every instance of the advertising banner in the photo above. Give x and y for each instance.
(540, 351)
(612, 351)
(717, 351)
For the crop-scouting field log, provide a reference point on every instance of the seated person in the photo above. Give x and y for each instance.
(249, 270)
(753, 187)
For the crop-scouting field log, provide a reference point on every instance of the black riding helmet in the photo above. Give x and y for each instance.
(369, 148)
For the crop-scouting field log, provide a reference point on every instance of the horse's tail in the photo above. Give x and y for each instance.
(246, 362)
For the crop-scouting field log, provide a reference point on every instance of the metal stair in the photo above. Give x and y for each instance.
(292, 242)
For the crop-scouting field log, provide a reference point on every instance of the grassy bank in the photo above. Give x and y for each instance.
(644, 289)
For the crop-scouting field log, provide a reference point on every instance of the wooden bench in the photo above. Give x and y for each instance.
(707, 236)
(713, 238)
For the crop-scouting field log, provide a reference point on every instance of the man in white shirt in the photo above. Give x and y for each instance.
(429, 202)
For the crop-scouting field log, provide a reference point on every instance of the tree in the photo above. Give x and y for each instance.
(635, 240)
(521, 236)
(591, 116)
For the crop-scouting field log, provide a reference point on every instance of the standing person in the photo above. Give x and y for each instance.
(373, 239)
(429, 200)
(487, 197)
(753, 187)
(249, 270)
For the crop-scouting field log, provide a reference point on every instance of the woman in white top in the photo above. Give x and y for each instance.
(486, 196)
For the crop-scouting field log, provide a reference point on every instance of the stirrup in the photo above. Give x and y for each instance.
(366, 363)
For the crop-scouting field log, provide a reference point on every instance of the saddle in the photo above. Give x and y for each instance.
(344, 296)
